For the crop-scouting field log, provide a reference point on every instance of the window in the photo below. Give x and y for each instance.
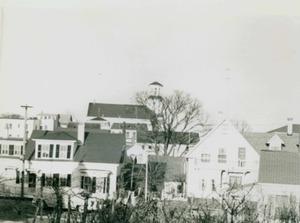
(54, 151)
(88, 183)
(213, 185)
(104, 185)
(39, 151)
(235, 181)
(203, 185)
(48, 181)
(93, 184)
(17, 176)
(65, 180)
(242, 153)
(205, 158)
(281, 200)
(134, 135)
(127, 134)
(32, 180)
(18, 150)
(242, 157)
(4, 149)
(222, 158)
(45, 151)
(277, 148)
(11, 150)
(56, 180)
(63, 151)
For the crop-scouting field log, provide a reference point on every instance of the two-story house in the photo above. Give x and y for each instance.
(76, 159)
(47, 121)
(14, 127)
(222, 159)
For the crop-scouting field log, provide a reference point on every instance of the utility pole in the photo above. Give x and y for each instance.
(24, 145)
(146, 179)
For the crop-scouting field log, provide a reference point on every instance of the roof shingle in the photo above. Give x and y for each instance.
(278, 167)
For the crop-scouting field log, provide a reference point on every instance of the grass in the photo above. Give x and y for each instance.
(15, 209)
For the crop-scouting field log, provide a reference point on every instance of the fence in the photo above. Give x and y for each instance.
(10, 191)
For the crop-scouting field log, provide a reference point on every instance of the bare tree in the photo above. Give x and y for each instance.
(178, 113)
(241, 125)
(237, 205)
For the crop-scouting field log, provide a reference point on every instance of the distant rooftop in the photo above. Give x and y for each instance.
(259, 140)
(118, 111)
(296, 129)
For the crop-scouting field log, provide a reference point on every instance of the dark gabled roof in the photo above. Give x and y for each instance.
(278, 167)
(174, 166)
(119, 111)
(156, 83)
(101, 148)
(296, 129)
(98, 147)
(130, 126)
(177, 137)
(258, 140)
(56, 135)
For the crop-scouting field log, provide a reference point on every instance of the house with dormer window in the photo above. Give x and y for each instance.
(222, 159)
(73, 158)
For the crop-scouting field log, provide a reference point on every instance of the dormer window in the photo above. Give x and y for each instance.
(53, 151)
(275, 148)
(275, 143)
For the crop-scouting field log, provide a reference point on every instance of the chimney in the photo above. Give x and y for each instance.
(290, 126)
(80, 133)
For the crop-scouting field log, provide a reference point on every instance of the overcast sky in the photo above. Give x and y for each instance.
(58, 56)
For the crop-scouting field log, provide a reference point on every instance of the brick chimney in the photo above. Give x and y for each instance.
(290, 126)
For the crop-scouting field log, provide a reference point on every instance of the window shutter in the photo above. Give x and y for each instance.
(43, 180)
(69, 152)
(57, 151)
(69, 180)
(82, 182)
(94, 185)
(51, 151)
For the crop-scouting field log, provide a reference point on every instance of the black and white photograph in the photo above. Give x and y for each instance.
(136, 111)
